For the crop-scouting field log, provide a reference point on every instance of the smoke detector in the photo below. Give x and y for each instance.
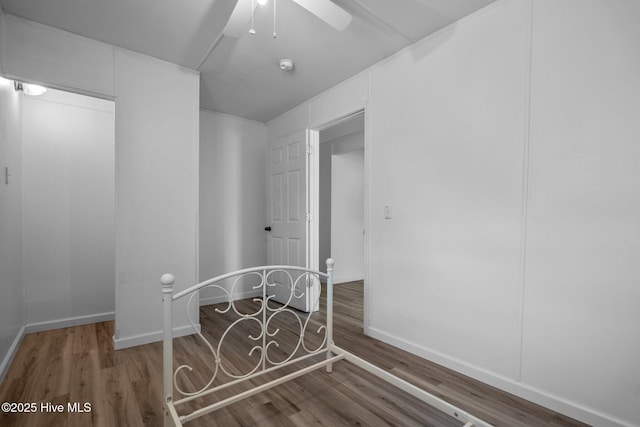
(286, 64)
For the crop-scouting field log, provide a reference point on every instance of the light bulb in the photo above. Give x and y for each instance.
(33, 90)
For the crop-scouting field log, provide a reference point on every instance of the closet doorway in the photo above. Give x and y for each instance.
(68, 182)
(341, 198)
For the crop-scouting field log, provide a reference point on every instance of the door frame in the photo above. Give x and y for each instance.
(313, 193)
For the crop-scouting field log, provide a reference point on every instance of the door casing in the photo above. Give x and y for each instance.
(313, 194)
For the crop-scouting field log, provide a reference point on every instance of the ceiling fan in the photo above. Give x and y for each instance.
(326, 10)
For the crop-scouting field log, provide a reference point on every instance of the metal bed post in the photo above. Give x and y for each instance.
(265, 308)
(167, 281)
(330, 264)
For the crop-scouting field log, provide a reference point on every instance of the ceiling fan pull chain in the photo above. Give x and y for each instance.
(252, 30)
(274, 18)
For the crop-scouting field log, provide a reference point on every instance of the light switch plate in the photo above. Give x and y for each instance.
(387, 211)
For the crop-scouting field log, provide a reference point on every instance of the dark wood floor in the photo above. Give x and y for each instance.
(124, 387)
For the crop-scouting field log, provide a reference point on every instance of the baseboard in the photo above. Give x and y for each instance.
(135, 340)
(223, 298)
(69, 322)
(8, 358)
(523, 390)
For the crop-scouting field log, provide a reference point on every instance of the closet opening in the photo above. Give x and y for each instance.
(68, 181)
(339, 207)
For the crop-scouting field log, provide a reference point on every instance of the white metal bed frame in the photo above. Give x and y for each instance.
(297, 278)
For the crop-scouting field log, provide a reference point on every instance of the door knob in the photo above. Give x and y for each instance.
(267, 229)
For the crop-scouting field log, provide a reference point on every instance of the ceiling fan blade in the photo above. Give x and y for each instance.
(328, 11)
(237, 24)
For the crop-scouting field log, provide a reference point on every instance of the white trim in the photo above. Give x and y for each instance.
(368, 207)
(135, 340)
(313, 185)
(116, 186)
(62, 87)
(521, 290)
(223, 298)
(13, 350)
(196, 166)
(69, 322)
(313, 192)
(541, 397)
(312, 140)
(341, 119)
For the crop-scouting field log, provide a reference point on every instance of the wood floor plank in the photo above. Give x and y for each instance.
(124, 387)
(85, 387)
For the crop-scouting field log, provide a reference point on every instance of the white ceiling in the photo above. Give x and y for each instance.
(241, 76)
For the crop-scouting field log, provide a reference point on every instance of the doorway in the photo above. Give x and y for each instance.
(341, 198)
(68, 187)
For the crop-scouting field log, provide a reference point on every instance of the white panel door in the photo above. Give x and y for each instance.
(287, 213)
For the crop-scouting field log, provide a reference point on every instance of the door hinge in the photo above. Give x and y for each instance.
(309, 217)
(309, 149)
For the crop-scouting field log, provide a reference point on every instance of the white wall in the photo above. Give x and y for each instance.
(449, 162)
(512, 175)
(232, 198)
(157, 128)
(156, 160)
(68, 157)
(11, 292)
(583, 215)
